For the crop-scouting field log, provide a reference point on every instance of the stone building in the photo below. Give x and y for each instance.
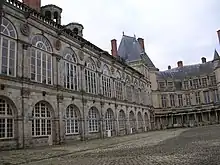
(187, 96)
(56, 87)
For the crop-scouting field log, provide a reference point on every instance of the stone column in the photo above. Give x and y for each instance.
(209, 114)
(116, 123)
(182, 120)
(196, 119)
(99, 82)
(102, 122)
(127, 121)
(187, 120)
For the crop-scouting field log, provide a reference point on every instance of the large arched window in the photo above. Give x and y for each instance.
(132, 120)
(72, 120)
(42, 120)
(109, 117)
(41, 60)
(6, 120)
(106, 82)
(90, 77)
(93, 120)
(128, 89)
(121, 120)
(118, 87)
(8, 48)
(70, 72)
(140, 120)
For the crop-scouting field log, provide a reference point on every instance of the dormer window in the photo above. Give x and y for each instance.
(76, 31)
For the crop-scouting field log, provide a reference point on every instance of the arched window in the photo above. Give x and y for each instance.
(118, 87)
(93, 118)
(140, 120)
(55, 16)
(6, 120)
(41, 60)
(121, 120)
(8, 48)
(106, 82)
(128, 89)
(76, 31)
(42, 120)
(90, 77)
(109, 117)
(72, 120)
(132, 120)
(70, 72)
(146, 120)
(48, 14)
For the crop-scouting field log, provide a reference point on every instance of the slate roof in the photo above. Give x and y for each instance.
(187, 71)
(130, 50)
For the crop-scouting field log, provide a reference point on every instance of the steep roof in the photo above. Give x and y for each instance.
(187, 71)
(130, 50)
(216, 55)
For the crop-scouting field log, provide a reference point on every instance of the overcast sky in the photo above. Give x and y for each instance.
(173, 29)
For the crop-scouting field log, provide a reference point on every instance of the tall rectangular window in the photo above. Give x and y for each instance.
(188, 99)
(180, 100)
(206, 97)
(212, 80)
(198, 100)
(215, 96)
(195, 83)
(186, 85)
(118, 90)
(172, 100)
(204, 82)
(164, 101)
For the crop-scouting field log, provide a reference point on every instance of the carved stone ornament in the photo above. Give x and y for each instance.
(60, 98)
(81, 55)
(57, 44)
(98, 63)
(25, 29)
(25, 92)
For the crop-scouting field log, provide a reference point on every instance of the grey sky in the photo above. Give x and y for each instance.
(173, 29)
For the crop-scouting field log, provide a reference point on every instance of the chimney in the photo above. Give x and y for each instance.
(141, 42)
(180, 63)
(203, 60)
(34, 4)
(169, 67)
(218, 32)
(114, 47)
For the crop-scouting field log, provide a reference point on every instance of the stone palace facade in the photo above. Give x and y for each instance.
(57, 87)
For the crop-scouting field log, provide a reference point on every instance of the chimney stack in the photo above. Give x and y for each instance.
(169, 67)
(218, 32)
(180, 63)
(203, 60)
(114, 47)
(34, 4)
(141, 42)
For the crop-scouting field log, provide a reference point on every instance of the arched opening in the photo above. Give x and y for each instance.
(42, 120)
(55, 16)
(48, 14)
(76, 31)
(140, 121)
(72, 118)
(93, 120)
(109, 118)
(132, 121)
(146, 120)
(121, 122)
(7, 120)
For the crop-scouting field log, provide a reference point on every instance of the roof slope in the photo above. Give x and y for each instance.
(130, 50)
(187, 71)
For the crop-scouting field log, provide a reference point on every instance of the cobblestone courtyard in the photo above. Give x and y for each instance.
(196, 146)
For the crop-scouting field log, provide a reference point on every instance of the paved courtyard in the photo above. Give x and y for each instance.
(194, 146)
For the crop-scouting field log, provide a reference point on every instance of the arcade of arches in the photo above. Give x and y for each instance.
(40, 123)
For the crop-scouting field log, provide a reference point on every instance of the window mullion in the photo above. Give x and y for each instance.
(41, 64)
(8, 55)
(47, 69)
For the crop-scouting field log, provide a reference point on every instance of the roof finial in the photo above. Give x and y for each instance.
(123, 33)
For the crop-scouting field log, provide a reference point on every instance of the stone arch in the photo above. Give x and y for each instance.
(121, 120)
(42, 42)
(93, 120)
(109, 118)
(90, 63)
(43, 124)
(8, 116)
(48, 14)
(140, 120)
(146, 120)
(70, 51)
(132, 121)
(72, 120)
(7, 21)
